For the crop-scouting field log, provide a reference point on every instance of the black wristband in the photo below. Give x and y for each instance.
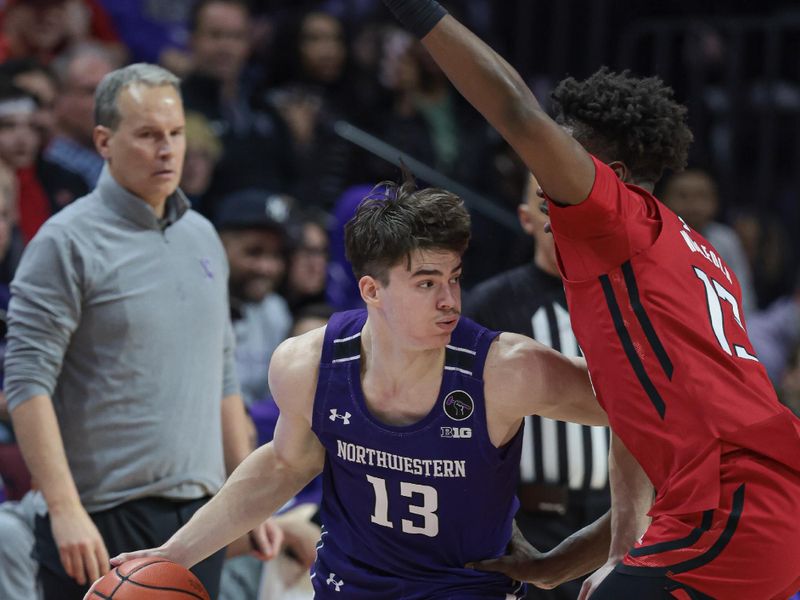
(418, 16)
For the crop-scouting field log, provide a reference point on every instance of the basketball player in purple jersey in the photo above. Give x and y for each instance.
(413, 414)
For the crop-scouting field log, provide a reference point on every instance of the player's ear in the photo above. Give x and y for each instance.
(525, 218)
(621, 169)
(368, 286)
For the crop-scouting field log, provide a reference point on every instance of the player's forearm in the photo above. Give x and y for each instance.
(485, 79)
(482, 76)
(236, 438)
(584, 551)
(258, 487)
(631, 498)
(39, 438)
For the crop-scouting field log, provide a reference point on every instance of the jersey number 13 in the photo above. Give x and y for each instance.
(415, 491)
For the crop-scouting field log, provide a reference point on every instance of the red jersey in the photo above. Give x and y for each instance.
(658, 315)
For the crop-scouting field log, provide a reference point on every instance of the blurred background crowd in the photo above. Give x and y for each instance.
(268, 86)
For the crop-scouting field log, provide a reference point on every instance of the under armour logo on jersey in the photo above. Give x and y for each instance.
(345, 417)
(332, 581)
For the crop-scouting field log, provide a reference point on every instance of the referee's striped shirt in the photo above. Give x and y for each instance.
(529, 301)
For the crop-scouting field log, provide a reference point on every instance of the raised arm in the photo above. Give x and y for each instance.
(564, 169)
(268, 477)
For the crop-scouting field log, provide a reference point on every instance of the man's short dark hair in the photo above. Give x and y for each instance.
(619, 117)
(395, 220)
(200, 6)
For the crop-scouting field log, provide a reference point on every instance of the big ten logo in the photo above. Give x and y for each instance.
(457, 433)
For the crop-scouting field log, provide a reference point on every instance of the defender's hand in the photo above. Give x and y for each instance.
(592, 583)
(522, 562)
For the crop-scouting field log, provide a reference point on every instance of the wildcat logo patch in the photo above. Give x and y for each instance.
(458, 405)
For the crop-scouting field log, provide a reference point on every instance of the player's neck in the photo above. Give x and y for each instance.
(550, 267)
(393, 364)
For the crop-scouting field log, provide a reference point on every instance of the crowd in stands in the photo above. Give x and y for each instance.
(264, 85)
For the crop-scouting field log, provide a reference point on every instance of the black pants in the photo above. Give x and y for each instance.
(546, 530)
(135, 525)
(619, 586)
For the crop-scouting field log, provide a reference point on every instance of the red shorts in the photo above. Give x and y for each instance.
(749, 547)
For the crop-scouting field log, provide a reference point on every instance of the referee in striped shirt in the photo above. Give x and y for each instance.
(564, 466)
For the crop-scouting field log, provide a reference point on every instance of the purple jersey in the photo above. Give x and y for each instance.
(404, 508)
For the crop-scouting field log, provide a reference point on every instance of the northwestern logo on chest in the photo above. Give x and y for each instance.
(381, 459)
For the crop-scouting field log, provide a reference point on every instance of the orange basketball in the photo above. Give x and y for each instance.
(148, 579)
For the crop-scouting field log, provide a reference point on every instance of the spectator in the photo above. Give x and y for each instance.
(105, 351)
(154, 32)
(770, 250)
(311, 90)
(312, 54)
(564, 468)
(789, 389)
(42, 29)
(79, 72)
(42, 186)
(343, 292)
(10, 237)
(775, 333)
(424, 116)
(14, 477)
(40, 82)
(254, 141)
(252, 225)
(203, 151)
(307, 273)
(692, 194)
(311, 316)
(18, 569)
(288, 576)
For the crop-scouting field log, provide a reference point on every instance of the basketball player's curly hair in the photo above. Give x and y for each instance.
(619, 117)
(397, 219)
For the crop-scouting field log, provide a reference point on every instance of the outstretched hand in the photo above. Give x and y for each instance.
(522, 562)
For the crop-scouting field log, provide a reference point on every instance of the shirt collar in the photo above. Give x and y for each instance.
(135, 209)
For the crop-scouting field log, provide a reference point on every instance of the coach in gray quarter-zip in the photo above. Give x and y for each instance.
(120, 338)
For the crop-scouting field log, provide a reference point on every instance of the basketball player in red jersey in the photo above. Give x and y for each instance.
(658, 315)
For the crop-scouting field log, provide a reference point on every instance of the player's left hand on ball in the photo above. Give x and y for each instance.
(522, 562)
(267, 539)
(160, 552)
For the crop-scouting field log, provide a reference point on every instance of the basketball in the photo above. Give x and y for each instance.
(148, 579)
